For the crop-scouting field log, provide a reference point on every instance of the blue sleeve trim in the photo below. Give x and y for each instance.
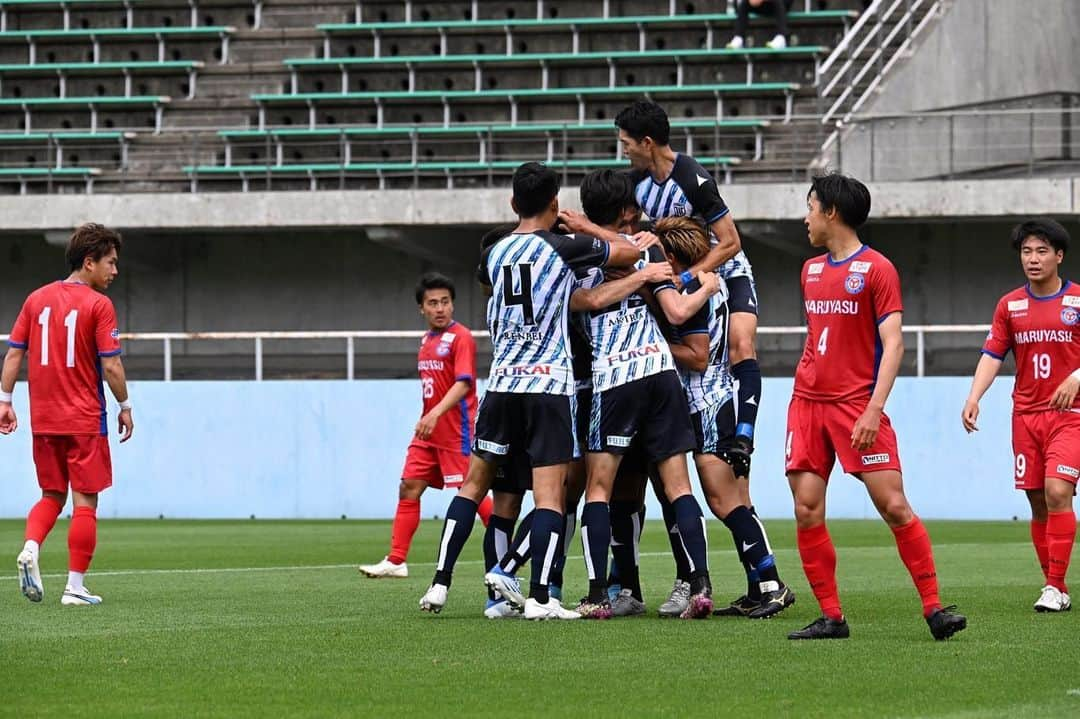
(607, 253)
(109, 354)
(995, 356)
(464, 378)
(665, 286)
(17, 345)
(722, 214)
(693, 332)
(886, 316)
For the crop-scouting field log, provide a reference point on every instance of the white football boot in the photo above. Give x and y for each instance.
(434, 598)
(552, 610)
(80, 597)
(29, 576)
(385, 570)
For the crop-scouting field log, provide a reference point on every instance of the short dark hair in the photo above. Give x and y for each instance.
(494, 235)
(849, 196)
(433, 281)
(1050, 231)
(535, 186)
(645, 119)
(605, 194)
(91, 240)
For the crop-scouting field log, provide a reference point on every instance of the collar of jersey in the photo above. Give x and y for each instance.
(849, 258)
(74, 282)
(673, 163)
(432, 333)
(1064, 286)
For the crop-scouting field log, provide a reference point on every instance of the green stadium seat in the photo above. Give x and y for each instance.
(25, 175)
(543, 61)
(29, 104)
(96, 35)
(66, 6)
(58, 140)
(63, 69)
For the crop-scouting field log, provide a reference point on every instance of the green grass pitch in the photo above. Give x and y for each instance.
(265, 618)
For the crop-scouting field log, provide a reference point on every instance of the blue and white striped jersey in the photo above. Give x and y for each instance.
(531, 276)
(690, 191)
(627, 343)
(715, 385)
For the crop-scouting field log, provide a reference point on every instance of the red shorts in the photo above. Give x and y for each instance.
(81, 461)
(436, 466)
(820, 432)
(1045, 444)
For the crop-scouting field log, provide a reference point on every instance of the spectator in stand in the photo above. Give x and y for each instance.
(777, 8)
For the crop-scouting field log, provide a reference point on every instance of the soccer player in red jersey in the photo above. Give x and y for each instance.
(1038, 322)
(853, 350)
(439, 453)
(68, 329)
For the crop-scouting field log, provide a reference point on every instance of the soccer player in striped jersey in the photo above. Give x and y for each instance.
(670, 184)
(69, 334)
(702, 355)
(636, 393)
(1038, 323)
(438, 455)
(529, 403)
(854, 345)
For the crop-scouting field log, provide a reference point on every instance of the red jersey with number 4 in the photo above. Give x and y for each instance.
(1044, 334)
(446, 357)
(845, 302)
(65, 328)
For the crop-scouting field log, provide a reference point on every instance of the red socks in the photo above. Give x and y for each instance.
(913, 543)
(1060, 534)
(406, 520)
(82, 539)
(1038, 538)
(819, 563)
(42, 519)
(484, 510)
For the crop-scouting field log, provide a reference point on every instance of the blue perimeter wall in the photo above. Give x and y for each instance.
(323, 449)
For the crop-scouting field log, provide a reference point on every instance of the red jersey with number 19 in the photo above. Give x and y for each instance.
(845, 302)
(65, 328)
(446, 357)
(1044, 333)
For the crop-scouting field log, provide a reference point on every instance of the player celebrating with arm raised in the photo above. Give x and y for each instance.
(1038, 322)
(439, 452)
(853, 349)
(69, 331)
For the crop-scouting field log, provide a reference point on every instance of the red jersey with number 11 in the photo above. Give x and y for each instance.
(446, 357)
(65, 328)
(845, 302)
(1044, 333)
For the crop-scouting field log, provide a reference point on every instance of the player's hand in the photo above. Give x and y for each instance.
(657, 272)
(127, 425)
(1065, 394)
(574, 221)
(710, 281)
(970, 415)
(425, 426)
(644, 240)
(866, 429)
(8, 421)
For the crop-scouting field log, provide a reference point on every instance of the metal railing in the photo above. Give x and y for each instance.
(351, 336)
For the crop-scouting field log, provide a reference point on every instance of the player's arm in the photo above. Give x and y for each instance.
(455, 394)
(679, 307)
(890, 332)
(12, 361)
(692, 350)
(727, 246)
(113, 369)
(985, 373)
(622, 252)
(1066, 392)
(609, 293)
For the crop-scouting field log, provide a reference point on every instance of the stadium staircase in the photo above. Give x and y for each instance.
(167, 95)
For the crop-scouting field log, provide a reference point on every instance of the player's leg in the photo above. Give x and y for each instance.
(818, 556)
(600, 468)
(679, 598)
(742, 352)
(406, 522)
(1061, 469)
(627, 503)
(500, 578)
(1037, 501)
(505, 508)
(575, 490)
(50, 461)
(90, 471)
(1028, 462)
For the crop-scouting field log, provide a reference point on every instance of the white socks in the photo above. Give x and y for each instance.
(33, 547)
(75, 580)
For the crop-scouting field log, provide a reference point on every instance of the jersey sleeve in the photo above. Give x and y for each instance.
(581, 251)
(20, 333)
(700, 188)
(655, 254)
(999, 341)
(465, 358)
(699, 321)
(885, 291)
(106, 332)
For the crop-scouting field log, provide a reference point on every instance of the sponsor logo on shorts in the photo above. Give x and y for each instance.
(860, 266)
(453, 478)
(1070, 301)
(816, 269)
(855, 283)
(1018, 305)
(493, 447)
(1068, 471)
(1070, 316)
(869, 459)
(615, 440)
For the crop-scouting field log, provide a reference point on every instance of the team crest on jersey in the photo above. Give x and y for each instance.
(115, 334)
(855, 283)
(1070, 301)
(443, 349)
(678, 209)
(1070, 315)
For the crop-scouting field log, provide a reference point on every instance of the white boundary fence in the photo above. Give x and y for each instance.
(351, 336)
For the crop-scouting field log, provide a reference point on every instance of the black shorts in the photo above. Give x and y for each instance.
(742, 295)
(653, 409)
(714, 428)
(584, 403)
(538, 426)
(514, 476)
